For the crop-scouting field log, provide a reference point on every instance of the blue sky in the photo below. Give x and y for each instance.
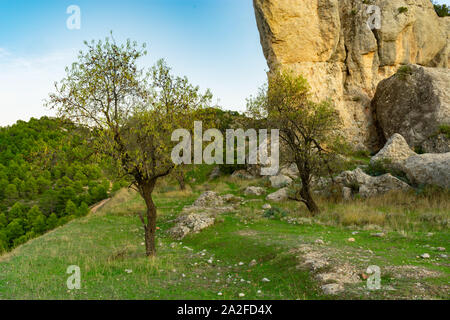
(215, 43)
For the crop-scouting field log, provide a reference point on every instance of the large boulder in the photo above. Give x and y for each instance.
(280, 195)
(368, 186)
(331, 44)
(280, 181)
(415, 102)
(395, 152)
(429, 168)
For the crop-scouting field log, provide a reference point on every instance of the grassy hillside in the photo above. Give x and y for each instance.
(108, 247)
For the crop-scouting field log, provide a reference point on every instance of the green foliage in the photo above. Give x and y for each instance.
(403, 72)
(445, 129)
(45, 169)
(442, 10)
(309, 131)
(377, 168)
(275, 213)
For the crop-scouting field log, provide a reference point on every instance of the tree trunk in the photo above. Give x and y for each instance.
(308, 199)
(150, 223)
(181, 181)
(305, 192)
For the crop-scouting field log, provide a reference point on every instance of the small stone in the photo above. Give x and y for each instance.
(258, 292)
(378, 234)
(241, 295)
(332, 288)
(128, 270)
(425, 256)
(266, 206)
(355, 232)
(219, 294)
(252, 263)
(351, 239)
(241, 263)
(183, 275)
(265, 280)
(443, 256)
(440, 249)
(319, 241)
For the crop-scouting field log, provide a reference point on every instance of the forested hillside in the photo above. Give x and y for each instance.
(47, 177)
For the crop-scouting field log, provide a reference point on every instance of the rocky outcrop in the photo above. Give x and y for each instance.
(415, 102)
(280, 181)
(394, 153)
(429, 168)
(425, 169)
(202, 213)
(331, 43)
(368, 186)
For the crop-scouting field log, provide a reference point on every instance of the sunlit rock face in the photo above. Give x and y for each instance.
(343, 58)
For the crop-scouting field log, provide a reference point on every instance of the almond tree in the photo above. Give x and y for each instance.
(131, 114)
(308, 130)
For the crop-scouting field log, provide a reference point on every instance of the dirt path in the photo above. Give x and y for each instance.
(98, 205)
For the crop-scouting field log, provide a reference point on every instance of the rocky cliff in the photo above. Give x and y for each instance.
(344, 54)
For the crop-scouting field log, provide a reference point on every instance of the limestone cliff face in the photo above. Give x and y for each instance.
(332, 45)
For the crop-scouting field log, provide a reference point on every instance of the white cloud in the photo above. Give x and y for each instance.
(4, 53)
(25, 83)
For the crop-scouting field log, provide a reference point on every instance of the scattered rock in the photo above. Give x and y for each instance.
(241, 295)
(429, 168)
(265, 280)
(351, 239)
(346, 193)
(215, 173)
(332, 288)
(280, 195)
(290, 171)
(369, 186)
(425, 256)
(280, 181)
(242, 174)
(208, 199)
(267, 206)
(378, 234)
(440, 249)
(394, 153)
(319, 241)
(128, 271)
(255, 191)
(252, 263)
(231, 198)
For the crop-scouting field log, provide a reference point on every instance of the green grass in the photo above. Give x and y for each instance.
(108, 242)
